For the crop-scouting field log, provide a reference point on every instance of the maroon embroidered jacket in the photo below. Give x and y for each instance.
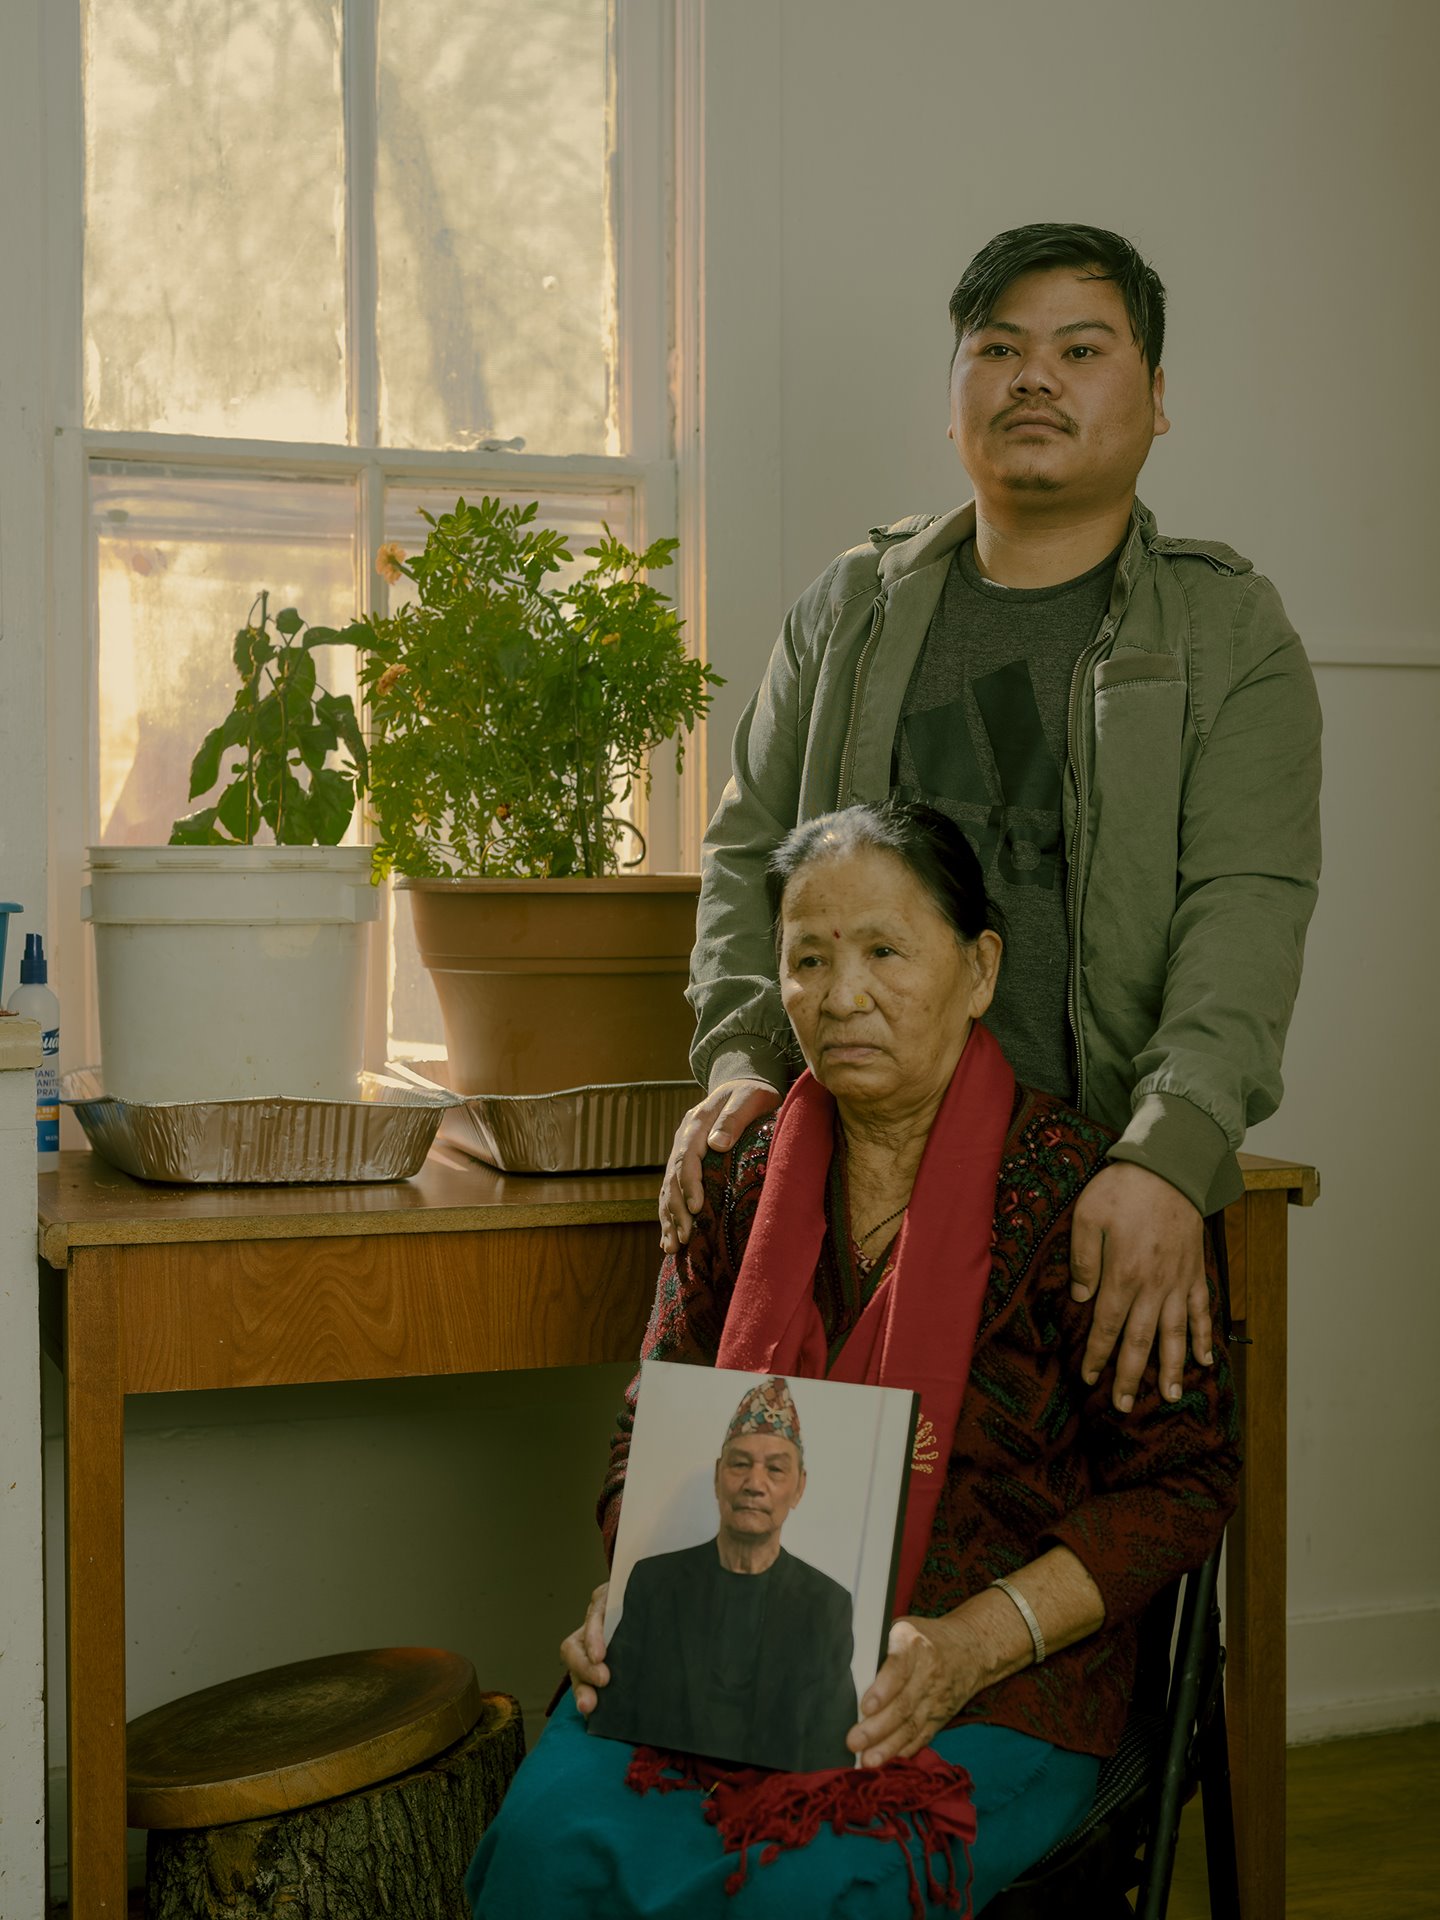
(1038, 1458)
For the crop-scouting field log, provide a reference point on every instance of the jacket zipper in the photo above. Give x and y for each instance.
(1084, 665)
(862, 673)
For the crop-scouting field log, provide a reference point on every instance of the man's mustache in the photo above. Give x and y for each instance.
(1053, 414)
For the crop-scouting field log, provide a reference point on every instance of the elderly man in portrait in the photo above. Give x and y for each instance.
(734, 1648)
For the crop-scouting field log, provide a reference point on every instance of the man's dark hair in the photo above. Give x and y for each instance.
(934, 849)
(1108, 256)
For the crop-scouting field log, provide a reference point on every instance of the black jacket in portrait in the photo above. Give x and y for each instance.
(746, 1667)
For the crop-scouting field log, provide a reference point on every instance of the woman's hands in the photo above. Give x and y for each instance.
(584, 1653)
(932, 1667)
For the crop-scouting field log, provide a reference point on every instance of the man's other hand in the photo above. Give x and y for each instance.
(584, 1652)
(718, 1121)
(1141, 1242)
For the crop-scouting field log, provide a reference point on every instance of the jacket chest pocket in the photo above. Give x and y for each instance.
(1134, 824)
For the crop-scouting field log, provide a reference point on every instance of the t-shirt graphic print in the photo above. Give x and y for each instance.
(982, 739)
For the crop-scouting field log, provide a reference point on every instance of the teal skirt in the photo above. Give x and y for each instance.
(573, 1842)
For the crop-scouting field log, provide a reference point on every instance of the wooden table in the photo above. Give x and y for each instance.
(150, 1289)
(1256, 1234)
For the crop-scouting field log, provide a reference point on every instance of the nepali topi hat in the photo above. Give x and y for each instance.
(768, 1408)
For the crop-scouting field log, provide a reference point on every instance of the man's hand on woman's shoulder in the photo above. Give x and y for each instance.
(1142, 1243)
(716, 1121)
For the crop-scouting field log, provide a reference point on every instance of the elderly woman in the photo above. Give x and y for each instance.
(904, 1219)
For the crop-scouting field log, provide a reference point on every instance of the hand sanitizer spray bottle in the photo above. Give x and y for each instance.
(34, 1001)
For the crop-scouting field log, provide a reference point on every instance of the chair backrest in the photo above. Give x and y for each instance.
(1154, 1663)
(1174, 1741)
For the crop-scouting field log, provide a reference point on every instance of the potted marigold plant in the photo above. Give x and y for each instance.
(231, 963)
(512, 721)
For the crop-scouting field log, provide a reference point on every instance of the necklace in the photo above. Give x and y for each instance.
(871, 1232)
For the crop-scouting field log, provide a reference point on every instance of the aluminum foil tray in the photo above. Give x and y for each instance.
(384, 1133)
(581, 1130)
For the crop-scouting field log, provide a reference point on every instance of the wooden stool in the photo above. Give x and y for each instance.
(353, 1786)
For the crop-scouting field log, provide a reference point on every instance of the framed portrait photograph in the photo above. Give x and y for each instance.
(755, 1564)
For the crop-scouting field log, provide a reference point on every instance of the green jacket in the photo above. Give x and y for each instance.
(1191, 805)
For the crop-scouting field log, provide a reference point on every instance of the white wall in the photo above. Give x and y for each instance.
(1365, 1305)
(22, 1600)
(24, 469)
(1277, 162)
(23, 572)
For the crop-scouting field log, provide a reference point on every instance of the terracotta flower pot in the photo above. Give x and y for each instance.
(547, 984)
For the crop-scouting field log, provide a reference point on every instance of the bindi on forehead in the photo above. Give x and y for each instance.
(836, 932)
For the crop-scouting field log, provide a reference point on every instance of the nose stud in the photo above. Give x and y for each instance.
(861, 1002)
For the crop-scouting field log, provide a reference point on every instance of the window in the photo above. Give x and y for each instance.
(344, 259)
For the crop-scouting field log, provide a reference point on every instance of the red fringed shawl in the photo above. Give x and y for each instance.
(923, 1797)
(917, 1331)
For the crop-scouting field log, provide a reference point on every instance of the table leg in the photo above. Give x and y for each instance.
(95, 1583)
(1255, 1564)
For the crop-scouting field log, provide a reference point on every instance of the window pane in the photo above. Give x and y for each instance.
(179, 557)
(214, 276)
(492, 218)
(415, 1029)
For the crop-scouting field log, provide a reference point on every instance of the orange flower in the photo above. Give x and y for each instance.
(388, 561)
(388, 679)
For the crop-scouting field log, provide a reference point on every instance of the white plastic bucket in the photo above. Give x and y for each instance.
(230, 972)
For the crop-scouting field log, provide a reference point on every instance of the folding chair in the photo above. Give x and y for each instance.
(1173, 1745)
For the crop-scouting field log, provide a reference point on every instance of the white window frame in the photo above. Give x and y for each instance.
(651, 336)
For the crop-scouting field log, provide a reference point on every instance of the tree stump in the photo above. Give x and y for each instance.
(398, 1849)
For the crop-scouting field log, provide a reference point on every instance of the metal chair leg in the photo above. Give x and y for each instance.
(1185, 1695)
(1222, 1870)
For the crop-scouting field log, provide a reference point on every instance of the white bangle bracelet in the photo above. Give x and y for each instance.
(1027, 1614)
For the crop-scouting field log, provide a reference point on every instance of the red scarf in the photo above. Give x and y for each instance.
(921, 1799)
(917, 1331)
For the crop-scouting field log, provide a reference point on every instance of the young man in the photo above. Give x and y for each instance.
(1126, 726)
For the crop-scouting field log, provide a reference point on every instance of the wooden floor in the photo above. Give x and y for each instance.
(1362, 1837)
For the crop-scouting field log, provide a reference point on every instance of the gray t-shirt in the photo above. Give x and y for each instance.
(982, 738)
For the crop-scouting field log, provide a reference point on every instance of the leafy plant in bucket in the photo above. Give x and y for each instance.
(284, 727)
(512, 717)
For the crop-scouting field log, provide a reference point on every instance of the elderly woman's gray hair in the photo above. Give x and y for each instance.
(930, 844)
